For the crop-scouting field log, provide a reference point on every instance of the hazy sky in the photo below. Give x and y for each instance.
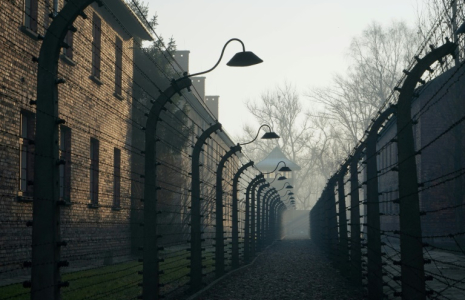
(302, 42)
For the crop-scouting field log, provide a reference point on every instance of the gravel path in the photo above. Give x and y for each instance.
(290, 269)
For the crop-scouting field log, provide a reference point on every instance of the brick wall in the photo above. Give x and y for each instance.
(91, 110)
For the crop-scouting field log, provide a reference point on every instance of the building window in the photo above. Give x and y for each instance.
(116, 178)
(65, 168)
(67, 51)
(30, 14)
(96, 45)
(94, 171)
(118, 66)
(26, 169)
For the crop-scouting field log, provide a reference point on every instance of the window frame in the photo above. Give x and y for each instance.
(26, 155)
(118, 67)
(31, 13)
(116, 179)
(96, 46)
(94, 172)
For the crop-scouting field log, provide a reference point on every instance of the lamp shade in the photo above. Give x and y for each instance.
(285, 169)
(289, 187)
(282, 178)
(270, 135)
(244, 59)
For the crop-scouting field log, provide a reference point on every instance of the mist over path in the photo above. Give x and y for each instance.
(290, 269)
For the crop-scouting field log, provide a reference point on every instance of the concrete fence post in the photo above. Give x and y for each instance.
(412, 263)
(46, 239)
(235, 218)
(196, 227)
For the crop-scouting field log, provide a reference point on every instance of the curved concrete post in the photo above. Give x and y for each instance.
(316, 227)
(247, 217)
(332, 220)
(46, 238)
(355, 240)
(196, 228)
(281, 209)
(219, 236)
(235, 219)
(256, 240)
(272, 218)
(412, 264)
(261, 232)
(253, 216)
(150, 249)
(343, 237)
(375, 269)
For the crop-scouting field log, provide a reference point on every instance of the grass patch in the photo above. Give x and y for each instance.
(119, 281)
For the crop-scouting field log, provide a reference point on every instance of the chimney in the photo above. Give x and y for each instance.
(198, 84)
(182, 58)
(212, 103)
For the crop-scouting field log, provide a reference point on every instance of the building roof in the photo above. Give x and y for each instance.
(269, 163)
(131, 21)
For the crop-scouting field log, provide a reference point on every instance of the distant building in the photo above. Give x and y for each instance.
(271, 163)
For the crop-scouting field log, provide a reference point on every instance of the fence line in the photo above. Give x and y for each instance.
(397, 226)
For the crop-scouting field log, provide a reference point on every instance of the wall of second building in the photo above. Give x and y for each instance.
(438, 106)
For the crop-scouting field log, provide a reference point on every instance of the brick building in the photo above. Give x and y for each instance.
(95, 140)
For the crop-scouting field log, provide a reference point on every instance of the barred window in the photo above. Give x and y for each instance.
(96, 45)
(26, 163)
(116, 177)
(118, 66)
(30, 14)
(94, 171)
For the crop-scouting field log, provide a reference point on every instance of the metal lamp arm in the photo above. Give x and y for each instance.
(285, 194)
(276, 167)
(258, 132)
(285, 184)
(277, 175)
(219, 60)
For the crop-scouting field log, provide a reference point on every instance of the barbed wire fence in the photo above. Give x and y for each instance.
(364, 217)
(97, 209)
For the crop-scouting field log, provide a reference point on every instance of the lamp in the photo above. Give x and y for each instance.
(287, 193)
(244, 58)
(266, 136)
(241, 59)
(283, 169)
(288, 186)
(279, 177)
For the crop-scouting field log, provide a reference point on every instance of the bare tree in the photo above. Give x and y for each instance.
(443, 13)
(377, 58)
(282, 109)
